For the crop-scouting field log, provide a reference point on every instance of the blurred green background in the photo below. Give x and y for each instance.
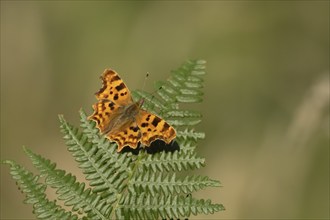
(266, 107)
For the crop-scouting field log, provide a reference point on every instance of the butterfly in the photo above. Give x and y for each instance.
(124, 121)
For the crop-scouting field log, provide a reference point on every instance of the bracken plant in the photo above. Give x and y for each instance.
(145, 183)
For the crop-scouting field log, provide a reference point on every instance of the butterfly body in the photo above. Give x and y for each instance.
(123, 116)
(124, 121)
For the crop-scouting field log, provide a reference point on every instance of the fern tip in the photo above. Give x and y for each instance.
(25, 148)
(200, 61)
(61, 117)
(10, 162)
(82, 112)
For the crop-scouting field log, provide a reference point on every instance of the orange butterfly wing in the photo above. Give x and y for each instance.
(104, 113)
(153, 127)
(114, 89)
(113, 95)
(130, 136)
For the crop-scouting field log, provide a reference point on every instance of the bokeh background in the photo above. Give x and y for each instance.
(266, 107)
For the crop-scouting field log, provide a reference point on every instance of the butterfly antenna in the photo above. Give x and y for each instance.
(153, 94)
(145, 80)
(155, 91)
(141, 101)
(144, 83)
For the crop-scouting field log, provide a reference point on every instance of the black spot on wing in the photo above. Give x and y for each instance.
(135, 129)
(111, 105)
(115, 78)
(120, 87)
(123, 93)
(155, 121)
(115, 97)
(166, 126)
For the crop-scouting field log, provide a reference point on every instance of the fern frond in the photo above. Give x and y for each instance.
(146, 206)
(176, 161)
(35, 194)
(104, 168)
(69, 190)
(184, 84)
(155, 183)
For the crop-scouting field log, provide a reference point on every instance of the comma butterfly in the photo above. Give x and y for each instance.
(122, 120)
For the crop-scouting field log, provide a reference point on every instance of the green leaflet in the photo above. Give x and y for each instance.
(176, 161)
(35, 194)
(169, 184)
(146, 206)
(124, 185)
(72, 192)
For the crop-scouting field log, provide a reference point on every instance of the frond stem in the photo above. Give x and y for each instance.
(136, 165)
